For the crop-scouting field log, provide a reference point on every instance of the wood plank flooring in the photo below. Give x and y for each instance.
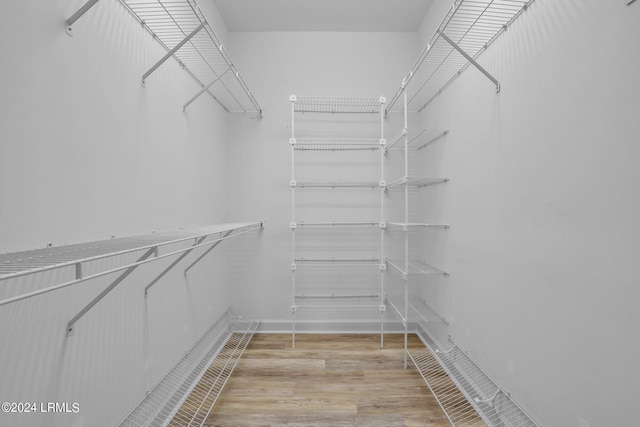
(327, 380)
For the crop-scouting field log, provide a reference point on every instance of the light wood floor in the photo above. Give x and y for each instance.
(327, 380)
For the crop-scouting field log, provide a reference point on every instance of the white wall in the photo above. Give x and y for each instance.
(278, 65)
(86, 152)
(543, 204)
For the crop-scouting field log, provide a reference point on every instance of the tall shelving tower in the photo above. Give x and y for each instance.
(408, 261)
(367, 298)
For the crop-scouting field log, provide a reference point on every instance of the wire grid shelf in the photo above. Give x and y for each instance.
(338, 264)
(38, 260)
(406, 226)
(320, 104)
(203, 56)
(415, 267)
(200, 402)
(418, 141)
(161, 403)
(416, 181)
(445, 368)
(338, 303)
(338, 224)
(336, 144)
(473, 25)
(336, 184)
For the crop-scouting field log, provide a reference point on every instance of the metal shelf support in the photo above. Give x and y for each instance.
(108, 289)
(471, 60)
(204, 89)
(171, 52)
(84, 9)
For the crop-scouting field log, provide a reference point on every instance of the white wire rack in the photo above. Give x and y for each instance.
(324, 300)
(406, 226)
(337, 224)
(338, 303)
(338, 264)
(320, 104)
(466, 394)
(336, 144)
(196, 381)
(337, 184)
(415, 142)
(468, 28)
(181, 27)
(82, 262)
(415, 267)
(416, 181)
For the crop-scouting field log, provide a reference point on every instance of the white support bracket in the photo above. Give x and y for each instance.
(293, 183)
(204, 89)
(471, 60)
(69, 22)
(171, 53)
(292, 141)
(293, 225)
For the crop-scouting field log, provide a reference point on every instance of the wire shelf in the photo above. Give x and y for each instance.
(336, 144)
(337, 224)
(203, 55)
(121, 254)
(203, 397)
(416, 181)
(422, 139)
(471, 24)
(221, 345)
(338, 264)
(320, 104)
(445, 367)
(338, 303)
(415, 267)
(406, 226)
(337, 184)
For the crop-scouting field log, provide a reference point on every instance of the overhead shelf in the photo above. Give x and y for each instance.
(416, 181)
(182, 29)
(336, 144)
(338, 303)
(322, 104)
(467, 29)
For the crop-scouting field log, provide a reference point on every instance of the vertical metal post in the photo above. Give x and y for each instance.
(406, 221)
(382, 228)
(292, 98)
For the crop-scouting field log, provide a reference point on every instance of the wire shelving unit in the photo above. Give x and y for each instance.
(183, 31)
(466, 31)
(189, 391)
(364, 300)
(404, 262)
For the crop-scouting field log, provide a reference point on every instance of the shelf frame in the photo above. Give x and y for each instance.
(328, 105)
(467, 30)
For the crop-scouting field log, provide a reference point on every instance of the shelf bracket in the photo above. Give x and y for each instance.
(69, 22)
(203, 90)
(173, 264)
(471, 60)
(206, 252)
(108, 289)
(171, 52)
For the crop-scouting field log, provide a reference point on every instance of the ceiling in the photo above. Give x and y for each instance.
(323, 15)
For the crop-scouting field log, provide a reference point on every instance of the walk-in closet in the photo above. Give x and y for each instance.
(319, 213)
